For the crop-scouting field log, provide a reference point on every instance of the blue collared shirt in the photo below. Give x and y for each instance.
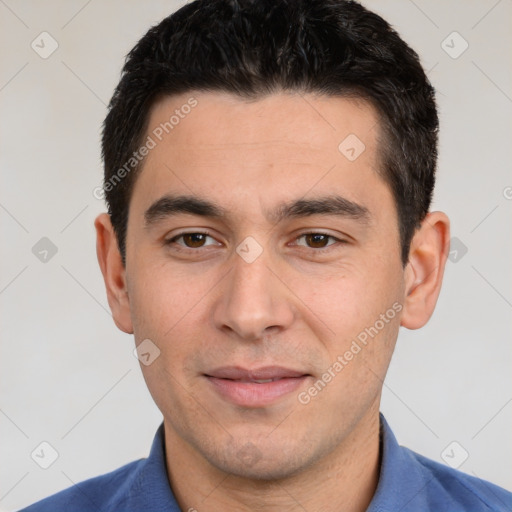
(408, 482)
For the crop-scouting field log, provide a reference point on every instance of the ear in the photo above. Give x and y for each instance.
(114, 273)
(425, 269)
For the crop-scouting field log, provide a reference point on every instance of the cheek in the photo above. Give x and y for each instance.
(362, 310)
(354, 296)
(167, 309)
(162, 298)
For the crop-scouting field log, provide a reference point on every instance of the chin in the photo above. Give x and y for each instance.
(263, 471)
(259, 461)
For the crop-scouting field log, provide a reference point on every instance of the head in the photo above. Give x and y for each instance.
(269, 168)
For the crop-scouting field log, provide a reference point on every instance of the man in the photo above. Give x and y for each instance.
(269, 168)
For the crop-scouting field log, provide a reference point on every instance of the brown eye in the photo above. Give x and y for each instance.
(317, 240)
(194, 240)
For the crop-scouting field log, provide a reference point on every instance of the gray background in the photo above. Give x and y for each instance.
(69, 376)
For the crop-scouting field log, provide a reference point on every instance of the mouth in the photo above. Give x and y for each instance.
(255, 388)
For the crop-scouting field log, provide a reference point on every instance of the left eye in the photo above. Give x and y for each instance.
(192, 240)
(316, 240)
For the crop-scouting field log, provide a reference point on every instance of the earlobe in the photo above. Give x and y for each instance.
(114, 273)
(425, 269)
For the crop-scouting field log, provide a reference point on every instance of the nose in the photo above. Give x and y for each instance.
(254, 301)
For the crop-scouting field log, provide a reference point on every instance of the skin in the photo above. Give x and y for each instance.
(295, 306)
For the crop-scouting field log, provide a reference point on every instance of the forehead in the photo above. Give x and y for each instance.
(312, 122)
(282, 146)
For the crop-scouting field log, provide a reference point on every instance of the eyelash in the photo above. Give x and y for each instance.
(180, 247)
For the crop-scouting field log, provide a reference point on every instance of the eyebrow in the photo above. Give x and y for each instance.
(329, 205)
(168, 206)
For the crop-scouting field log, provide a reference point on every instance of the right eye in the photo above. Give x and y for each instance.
(192, 240)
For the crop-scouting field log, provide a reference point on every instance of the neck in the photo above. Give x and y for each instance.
(344, 479)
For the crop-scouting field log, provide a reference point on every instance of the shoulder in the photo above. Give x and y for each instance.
(99, 493)
(410, 482)
(446, 488)
(139, 485)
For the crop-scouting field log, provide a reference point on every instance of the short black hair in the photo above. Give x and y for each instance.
(252, 48)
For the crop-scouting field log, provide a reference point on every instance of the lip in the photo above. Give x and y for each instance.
(241, 387)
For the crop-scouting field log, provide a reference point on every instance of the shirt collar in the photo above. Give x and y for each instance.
(151, 489)
(400, 480)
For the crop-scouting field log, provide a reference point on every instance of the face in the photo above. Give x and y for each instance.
(263, 262)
